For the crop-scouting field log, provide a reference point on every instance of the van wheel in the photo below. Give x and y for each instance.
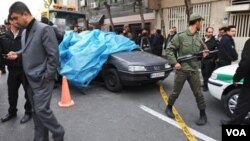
(112, 80)
(230, 101)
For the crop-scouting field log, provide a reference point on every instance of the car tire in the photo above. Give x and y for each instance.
(112, 80)
(230, 101)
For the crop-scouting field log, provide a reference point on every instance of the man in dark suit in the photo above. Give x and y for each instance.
(208, 63)
(11, 41)
(156, 42)
(40, 59)
(227, 51)
(242, 72)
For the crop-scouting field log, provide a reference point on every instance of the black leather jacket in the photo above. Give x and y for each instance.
(243, 71)
(227, 51)
(9, 43)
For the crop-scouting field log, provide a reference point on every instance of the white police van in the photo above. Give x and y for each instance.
(220, 86)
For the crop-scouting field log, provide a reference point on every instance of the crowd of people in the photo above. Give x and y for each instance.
(35, 68)
(189, 42)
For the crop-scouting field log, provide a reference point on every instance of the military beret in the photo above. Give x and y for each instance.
(195, 16)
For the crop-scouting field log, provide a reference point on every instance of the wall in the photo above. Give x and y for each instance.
(217, 11)
(217, 14)
(130, 19)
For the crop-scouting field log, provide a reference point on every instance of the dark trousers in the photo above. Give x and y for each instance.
(44, 119)
(207, 68)
(17, 77)
(243, 106)
(193, 79)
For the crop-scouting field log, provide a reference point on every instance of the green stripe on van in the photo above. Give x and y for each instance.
(226, 78)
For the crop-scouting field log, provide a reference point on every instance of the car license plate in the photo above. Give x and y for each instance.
(158, 74)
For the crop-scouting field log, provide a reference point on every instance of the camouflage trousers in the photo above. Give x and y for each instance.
(193, 78)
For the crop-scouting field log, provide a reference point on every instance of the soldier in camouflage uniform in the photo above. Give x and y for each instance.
(184, 43)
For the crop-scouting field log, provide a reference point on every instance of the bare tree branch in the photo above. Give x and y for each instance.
(161, 16)
(138, 3)
(47, 3)
(189, 9)
(109, 13)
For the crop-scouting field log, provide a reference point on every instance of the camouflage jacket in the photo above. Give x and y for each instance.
(185, 43)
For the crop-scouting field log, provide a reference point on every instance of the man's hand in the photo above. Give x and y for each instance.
(205, 53)
(11, 55)
(177, 66)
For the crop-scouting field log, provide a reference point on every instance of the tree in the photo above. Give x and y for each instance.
(189, 9)
(138, 3)
(109, 13)
(161, 16)
(47, 3)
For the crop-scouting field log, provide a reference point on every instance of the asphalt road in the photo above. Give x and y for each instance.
(134, 114)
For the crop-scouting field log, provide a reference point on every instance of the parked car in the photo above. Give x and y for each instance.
(220, 86)
(133, 68)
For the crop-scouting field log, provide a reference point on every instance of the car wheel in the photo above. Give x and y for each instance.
(230, 101)
(112, 80)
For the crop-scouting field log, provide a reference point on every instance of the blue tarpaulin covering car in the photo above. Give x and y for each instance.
(83, 55)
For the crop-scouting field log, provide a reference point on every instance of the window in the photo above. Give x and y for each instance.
(177, 17)
(115, 1)
(93, 4)
(242, 23)
(240, 2)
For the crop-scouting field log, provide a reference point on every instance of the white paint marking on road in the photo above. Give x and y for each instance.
(174, 123)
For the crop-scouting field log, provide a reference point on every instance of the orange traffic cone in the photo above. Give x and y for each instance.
(65, 97)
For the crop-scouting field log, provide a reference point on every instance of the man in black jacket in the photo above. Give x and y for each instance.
(242, 72)
(59, 35)
(156, 42)
(169, 37)
(227, 52)
(11, 41)
(208, 63)
(144, 41)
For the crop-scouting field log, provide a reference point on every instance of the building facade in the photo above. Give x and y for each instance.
(239, 15)
(213, 11)
(217, 13)
(123, 13)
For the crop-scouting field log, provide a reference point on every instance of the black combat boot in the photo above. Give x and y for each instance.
(169, 111)
(203, 118)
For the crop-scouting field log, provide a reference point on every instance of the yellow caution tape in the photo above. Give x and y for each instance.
(178, 118)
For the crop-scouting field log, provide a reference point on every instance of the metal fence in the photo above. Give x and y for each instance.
(176, 16)
(242, 23)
